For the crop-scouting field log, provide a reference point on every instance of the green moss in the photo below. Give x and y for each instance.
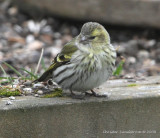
(56, 93)
(9, 92)
(132, 85)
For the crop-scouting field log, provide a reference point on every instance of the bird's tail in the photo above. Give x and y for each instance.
(44, 77)
(47, 74)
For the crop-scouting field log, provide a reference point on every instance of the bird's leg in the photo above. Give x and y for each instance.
(72, 93)
(98, 95)
(88, 93)
(93, 93)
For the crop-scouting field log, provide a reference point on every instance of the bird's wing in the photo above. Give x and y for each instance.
(61, 59)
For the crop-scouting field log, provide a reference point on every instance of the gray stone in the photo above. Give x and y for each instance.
(150, 43)
(131, 60)
(33, 56)
(147, 44)
(124, 12)
(36, 95)
(143, 54)
(130, 47)
(57, 35)
(27, 83)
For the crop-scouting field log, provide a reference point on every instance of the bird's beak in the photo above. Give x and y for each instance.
(83, 38)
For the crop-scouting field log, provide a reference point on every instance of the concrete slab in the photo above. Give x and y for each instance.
(131, 111)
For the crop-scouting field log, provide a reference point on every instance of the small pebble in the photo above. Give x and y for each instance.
(12, 11)
(36, 95)
(131, 47)
(33, 26)
(14, 86)
(27, 83)
(40, 92)
(27, 90)
(12, 98)
(33, 56)
(9, 103)
(150, 43)
(131, 60)
(57, 35)
(35, 45)
(38, 85)
(46, 29)
(129, 76)
(142, 55)
(30, 38)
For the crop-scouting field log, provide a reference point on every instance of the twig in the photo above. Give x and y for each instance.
(40, 58)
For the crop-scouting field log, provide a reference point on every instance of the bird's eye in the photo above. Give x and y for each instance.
(92, 37)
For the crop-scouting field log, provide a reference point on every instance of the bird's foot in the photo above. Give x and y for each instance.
(95, 94)
(74, 96)
(89, 93)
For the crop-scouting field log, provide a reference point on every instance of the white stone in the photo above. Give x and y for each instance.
(35, 45)
(12, 98)
(30, 38)
(40, 92)
(9, 103)
(27, 90)
(38, 85)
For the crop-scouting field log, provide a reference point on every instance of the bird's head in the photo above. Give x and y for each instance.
(93, 36)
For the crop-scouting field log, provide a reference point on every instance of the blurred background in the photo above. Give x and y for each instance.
(27, 26)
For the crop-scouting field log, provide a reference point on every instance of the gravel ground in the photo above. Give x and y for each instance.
(22, 38)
